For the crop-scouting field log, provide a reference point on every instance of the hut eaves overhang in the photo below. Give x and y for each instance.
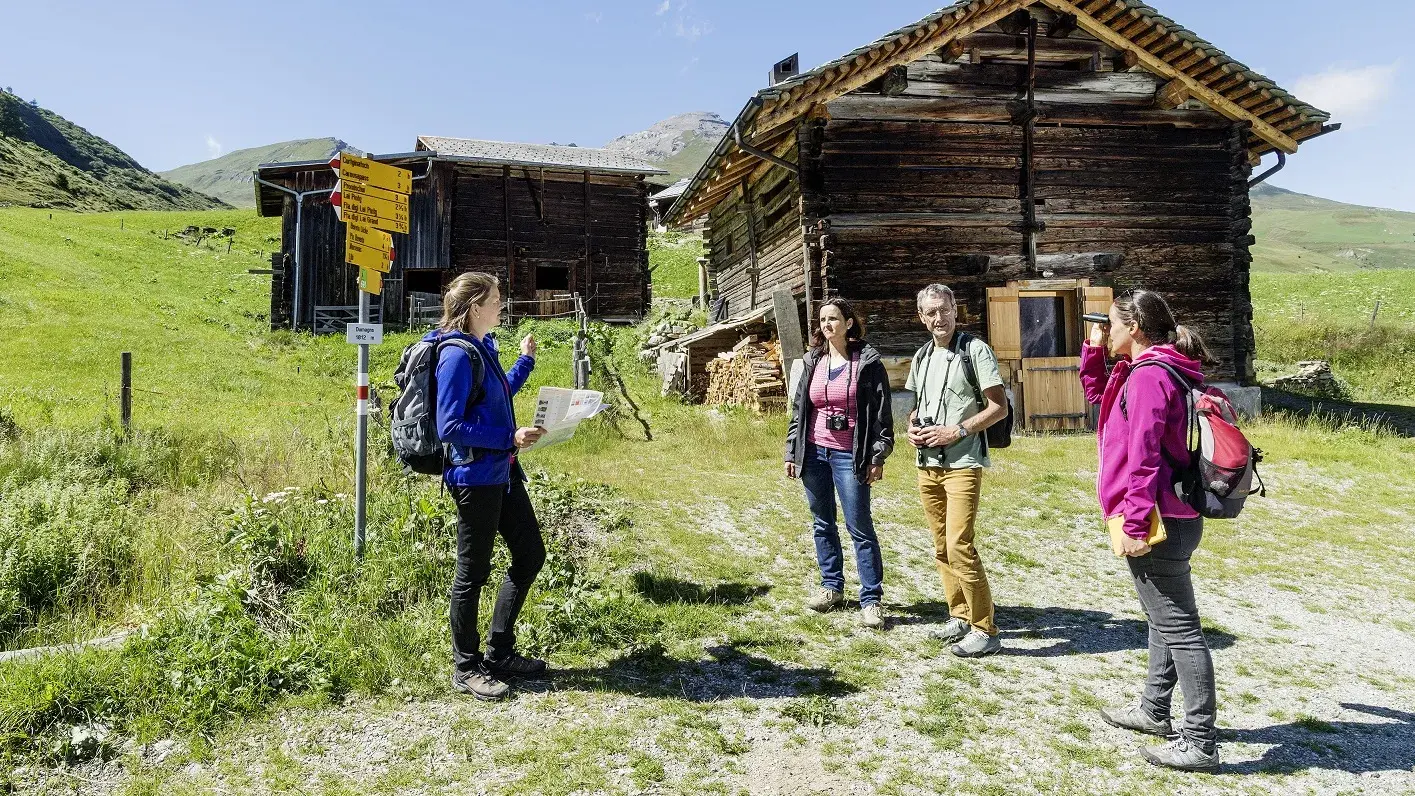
(1279, 121)
(270, 201)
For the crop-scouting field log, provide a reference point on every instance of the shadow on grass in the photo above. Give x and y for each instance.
(1397, 417)
(1357, 747)
(665, 589)
(1052, 632)
(727, 674)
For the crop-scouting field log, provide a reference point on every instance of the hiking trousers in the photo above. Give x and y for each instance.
(1179, 655)
(950, 499)
(483, 512)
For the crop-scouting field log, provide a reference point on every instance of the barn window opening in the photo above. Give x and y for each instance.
(552, 277)
(1043, 326)
(422, 280)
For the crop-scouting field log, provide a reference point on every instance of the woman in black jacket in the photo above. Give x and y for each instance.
(841, 431)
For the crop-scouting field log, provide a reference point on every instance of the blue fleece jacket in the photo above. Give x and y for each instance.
(482, 434)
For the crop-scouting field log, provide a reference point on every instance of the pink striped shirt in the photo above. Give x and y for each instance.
(834, 397)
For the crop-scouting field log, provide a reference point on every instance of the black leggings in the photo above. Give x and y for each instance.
(482, 512)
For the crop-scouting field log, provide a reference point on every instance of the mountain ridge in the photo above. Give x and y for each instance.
(229, 177)
(48, 161)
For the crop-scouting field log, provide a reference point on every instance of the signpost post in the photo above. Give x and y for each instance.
(370, 198)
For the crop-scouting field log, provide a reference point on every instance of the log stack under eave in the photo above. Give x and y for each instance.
(749, 375)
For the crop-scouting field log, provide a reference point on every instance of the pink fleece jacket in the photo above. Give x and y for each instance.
(1133, 473)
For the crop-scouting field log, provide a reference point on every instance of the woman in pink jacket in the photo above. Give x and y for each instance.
(1142, 432)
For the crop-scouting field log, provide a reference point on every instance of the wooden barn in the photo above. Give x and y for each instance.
(1034, 155)
(550, 221)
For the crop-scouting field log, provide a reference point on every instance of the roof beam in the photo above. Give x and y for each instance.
(1161, 67)
(780, 112)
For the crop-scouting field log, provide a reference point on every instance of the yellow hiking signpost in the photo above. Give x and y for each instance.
(371, 198)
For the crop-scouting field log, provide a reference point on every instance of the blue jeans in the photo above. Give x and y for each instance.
(825, 474)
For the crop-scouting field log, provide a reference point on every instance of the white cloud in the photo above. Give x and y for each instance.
(685, 24)
(213, 147)
(1351, 94)
(663, 8)
(594, 16)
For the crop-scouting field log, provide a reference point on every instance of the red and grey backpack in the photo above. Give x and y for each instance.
(1222, 465)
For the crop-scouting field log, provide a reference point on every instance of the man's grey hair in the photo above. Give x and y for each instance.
(936, 291)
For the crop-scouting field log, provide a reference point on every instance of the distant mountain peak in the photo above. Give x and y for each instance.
(678, 144)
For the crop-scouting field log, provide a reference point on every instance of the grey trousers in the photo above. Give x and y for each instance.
(1178, 652)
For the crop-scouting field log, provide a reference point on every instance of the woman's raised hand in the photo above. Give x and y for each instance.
(528, 346)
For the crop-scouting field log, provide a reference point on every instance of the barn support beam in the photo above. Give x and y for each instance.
(299, 197)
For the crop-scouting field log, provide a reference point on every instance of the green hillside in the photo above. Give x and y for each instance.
(1297, 233)
(229, 177)
(48, 161)
(78, 289)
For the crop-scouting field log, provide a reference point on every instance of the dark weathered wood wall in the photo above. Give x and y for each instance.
(923, 183)
(593, 225)
(771, 204)
(458, 222)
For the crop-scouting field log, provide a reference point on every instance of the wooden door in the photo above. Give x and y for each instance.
(1004, 324)
(1054, 399)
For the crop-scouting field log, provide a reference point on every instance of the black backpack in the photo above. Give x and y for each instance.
(999, 434)
(413, 414)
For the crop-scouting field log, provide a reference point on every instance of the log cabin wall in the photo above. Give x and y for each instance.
(925, 184)
(466, 217)
(590, 225)
(747, 263)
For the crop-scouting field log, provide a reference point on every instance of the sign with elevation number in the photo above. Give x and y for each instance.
(364, 333)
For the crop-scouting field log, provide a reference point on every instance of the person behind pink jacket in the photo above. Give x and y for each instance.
(1142, 437)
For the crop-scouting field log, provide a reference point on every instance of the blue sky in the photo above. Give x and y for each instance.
(174, 83)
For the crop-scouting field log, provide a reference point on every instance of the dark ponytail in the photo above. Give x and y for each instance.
(1151, 314)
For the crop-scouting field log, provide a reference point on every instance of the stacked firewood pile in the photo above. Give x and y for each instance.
(749, 375)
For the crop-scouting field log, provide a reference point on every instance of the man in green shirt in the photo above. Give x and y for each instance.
(947, 428)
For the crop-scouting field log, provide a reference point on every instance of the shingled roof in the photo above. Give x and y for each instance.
(1280, 121)
(502, 153)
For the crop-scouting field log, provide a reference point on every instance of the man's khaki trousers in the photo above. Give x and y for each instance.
(951, 505)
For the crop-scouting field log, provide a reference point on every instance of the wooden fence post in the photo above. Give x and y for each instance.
(125, 395)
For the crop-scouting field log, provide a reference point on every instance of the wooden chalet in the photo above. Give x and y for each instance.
(1034, 155)
(550, 221)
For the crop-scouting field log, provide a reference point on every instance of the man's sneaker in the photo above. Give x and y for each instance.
(1135, 718)
(977, 644)
(480, 685)
(953, 630)
(825, 600)
(514, 665)
(1182, 755)
(872, 616)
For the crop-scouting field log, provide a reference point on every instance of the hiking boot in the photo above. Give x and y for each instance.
(872, 616)
(1136, 719)
(976, 644)
(480, 685)
(825, 600)
(953, 630)
(1182, 755)
(514, 665)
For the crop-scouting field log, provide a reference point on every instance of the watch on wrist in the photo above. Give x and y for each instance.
(962, 431)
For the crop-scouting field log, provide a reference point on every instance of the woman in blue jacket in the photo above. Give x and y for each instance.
(477, 420)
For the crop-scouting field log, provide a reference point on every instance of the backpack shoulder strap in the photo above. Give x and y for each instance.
(478, 366)
(962, 346)
(1186, 385)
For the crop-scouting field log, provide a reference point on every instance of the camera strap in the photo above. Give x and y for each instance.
(849, 377)
(942, 409)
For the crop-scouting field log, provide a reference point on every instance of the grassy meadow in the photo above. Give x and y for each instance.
(265, 659)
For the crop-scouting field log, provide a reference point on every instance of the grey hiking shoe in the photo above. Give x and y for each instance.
(514, 665)
(480, 685)
(1135, 718)
(1182, 755)
(872, 616)
(976, 644)
(825, 600)
(953, 630)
